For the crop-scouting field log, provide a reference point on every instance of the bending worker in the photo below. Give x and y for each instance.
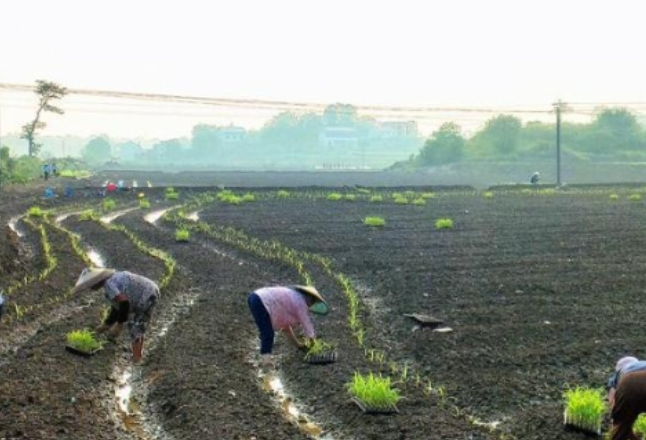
(282, 308)
(129, 294)
(626, 397)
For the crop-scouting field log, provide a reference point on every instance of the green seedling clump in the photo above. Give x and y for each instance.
(639, 427)
(613, 196)
(401, 200)
(419, 202)
(377, 198)
(585, 407)
(144, 203)
(487, 194)
(83, 340)
(635, 197)
(373, 390)
(182, 235)
(350, 197)
(334, 196)
(109, 204)
(282, 194)
(318, 347)
(443, 223)
(374, 221)
(248, 198)
(35, 211)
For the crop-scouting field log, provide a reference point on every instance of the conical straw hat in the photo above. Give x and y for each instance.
(320, 307)
(90, 277)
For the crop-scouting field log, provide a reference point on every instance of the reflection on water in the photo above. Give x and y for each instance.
(272, 383)
(115, 215)
(195, 216)
(13, 225)
(95, 258)
(155, 215)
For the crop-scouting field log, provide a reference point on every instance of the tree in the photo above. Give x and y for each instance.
(614, 129)
(502, 133)
(340, 115)
(446, 145)
(98, 150)
(47, 92)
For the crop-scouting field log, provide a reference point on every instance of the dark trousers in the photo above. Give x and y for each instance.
(263, 321)
(630, 402)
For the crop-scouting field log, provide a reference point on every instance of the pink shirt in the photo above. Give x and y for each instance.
(286, 308)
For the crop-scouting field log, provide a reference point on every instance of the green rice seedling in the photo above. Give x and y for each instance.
(318, 347)
(613, 196)
(373, 390)
(363, 191)
(419, 202)
(232, 199)
(377, 198)
(585, 408)
(547, 191)
(374, 221)
(282, 194)
(350, 197)
(88, 215)
(182, 234)
(248, 198)
(639, 427)
(35, 211)
(83, 340)
(224, 194)
(429, 195)
(487, 195)
(334, 196)
(635, 197)
(144, 203)
(401, 200)
(109, 204)
(443, 223)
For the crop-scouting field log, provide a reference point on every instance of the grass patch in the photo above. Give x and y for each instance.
(443, 223)
(374, 221)
(373, 390)
(83, 340)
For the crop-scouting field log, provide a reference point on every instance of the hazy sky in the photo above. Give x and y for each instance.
(493, 53)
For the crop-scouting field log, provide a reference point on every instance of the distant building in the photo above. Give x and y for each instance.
(338, 137)
(395, 129)
(231, 134)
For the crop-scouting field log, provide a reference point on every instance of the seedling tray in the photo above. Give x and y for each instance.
(375, 410)
(79, 352)
(585, 429)
(322, 359)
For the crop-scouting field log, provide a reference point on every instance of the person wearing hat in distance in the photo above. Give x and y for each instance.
(626, 396)
(129, 294)
(282, 308)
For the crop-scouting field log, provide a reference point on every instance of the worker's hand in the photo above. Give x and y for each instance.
(115, 331)
(305, 345)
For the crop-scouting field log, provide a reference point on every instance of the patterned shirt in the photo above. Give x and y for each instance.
(286, 308)
(136, 288)
(613, 382)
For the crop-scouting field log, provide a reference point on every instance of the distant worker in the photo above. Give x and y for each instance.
(626, 397)
(535, 178)
(46, 171)
(282, 308)
(129, 294)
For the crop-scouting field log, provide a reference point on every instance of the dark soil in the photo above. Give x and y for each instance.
(535, 287)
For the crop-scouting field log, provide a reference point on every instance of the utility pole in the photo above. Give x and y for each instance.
(559, 107)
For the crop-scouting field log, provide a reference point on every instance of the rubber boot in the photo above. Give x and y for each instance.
(138, 349)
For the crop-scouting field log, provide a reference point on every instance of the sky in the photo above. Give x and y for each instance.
(467, 53)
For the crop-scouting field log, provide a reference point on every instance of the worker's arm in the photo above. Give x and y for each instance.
(289, 332)
(121, 313)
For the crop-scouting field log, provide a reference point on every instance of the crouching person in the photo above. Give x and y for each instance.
(132, 298)
(283, 308)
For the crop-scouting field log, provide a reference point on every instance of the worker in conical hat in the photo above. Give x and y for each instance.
(282, 308)
(132, 298)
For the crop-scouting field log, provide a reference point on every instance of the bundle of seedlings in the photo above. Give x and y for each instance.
(584, 409)
(320, 352)
(182, 235)
(373, 393)
(83, 342)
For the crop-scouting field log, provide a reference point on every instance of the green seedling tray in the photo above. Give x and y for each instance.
(589, 430)
(79, 352)
(375, 410)
(322, 359)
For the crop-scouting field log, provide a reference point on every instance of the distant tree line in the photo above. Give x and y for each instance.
(614, 135)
